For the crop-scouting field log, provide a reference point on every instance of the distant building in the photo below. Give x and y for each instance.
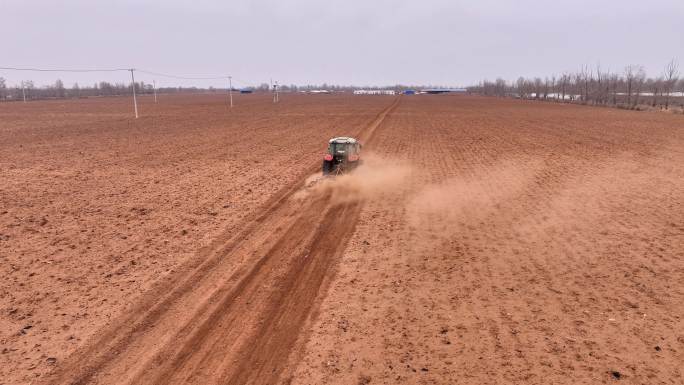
(409, 92)
(443, 90)
(374, 92)
(246, 91)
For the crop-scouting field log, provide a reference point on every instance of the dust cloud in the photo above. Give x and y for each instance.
(444, 208)
(376, 177)
(441, 209)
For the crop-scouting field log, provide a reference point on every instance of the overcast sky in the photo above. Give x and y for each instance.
(360, 42)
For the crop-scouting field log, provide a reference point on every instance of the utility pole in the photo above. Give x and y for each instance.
(23, 90)
(154, 85)
(275, 93)
(135, 100)
(230, 90)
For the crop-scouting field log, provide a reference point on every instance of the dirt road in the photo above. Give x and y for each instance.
(484, 241)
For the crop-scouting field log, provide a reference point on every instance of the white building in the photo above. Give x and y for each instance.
(374, 92)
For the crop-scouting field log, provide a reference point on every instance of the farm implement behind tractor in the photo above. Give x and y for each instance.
(343, 156)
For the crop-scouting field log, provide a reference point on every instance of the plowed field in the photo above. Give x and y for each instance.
(482, 241)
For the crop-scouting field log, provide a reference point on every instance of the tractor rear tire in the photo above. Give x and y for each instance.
(327, 167)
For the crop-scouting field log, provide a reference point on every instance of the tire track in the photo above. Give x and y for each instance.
(217, 329)
(216, 321)
(263, 361)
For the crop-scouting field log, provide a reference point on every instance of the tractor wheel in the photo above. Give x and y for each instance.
(327, 167)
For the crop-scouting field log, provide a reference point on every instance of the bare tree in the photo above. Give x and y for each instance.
(598, 98)
(583, 79)
(537, 87)
(607, 92)
(76, 90)
(630, 74)
(500, 87)
(669, 80)
(546, 88)
(563, 85)
(59, 89)
(639, 79)
(521, 85)
(655, 86)
(614, 80)
(3, 88)
(605, 87)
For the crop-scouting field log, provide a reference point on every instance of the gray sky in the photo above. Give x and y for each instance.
(361, 42)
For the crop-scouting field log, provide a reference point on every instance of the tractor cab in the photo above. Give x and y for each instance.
(343, 155)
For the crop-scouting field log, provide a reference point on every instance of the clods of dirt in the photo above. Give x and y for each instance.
(343, 324)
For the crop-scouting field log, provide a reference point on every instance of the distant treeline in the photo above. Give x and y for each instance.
(27, 90)
(630, 88)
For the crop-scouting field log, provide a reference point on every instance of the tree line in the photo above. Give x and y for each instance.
(27, 90)
(630, 88)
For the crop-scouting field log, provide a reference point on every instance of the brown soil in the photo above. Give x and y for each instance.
(483, 241)
(95, 207)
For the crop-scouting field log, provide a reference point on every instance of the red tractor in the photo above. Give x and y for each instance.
(343, 156)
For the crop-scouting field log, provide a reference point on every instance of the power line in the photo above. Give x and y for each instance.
(30, 69)
(244, 83)
(132, 71)
(63, 70)
(183, 77)
(222, 77)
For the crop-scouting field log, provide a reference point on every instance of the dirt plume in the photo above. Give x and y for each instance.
(377, 177)
(443, 208)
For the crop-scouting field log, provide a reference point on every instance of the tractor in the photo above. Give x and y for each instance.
(343, 156)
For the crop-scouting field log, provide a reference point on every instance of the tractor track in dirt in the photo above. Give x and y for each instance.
(236, 316)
